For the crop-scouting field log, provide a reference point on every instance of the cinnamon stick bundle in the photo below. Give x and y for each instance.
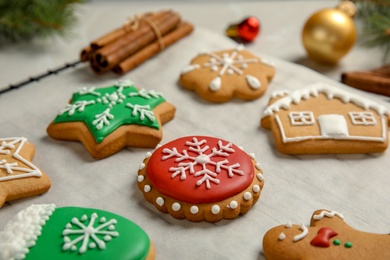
(375, 81)
(147, 35)
(149, 51)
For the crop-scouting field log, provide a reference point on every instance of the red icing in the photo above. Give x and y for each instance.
(187, 190)
(322, 239)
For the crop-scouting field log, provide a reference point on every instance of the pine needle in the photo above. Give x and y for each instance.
(375, 15)
(24, 20)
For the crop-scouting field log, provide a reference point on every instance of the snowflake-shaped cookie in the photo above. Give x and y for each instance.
(96, 113)
(220, 76)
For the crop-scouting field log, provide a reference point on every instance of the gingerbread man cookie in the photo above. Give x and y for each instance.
(321, 118)
(46, 232)
(108, 119)
(19, 177)
(220, 76)
(201, 178)
(328, 237)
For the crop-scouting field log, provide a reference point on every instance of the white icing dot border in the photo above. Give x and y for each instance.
(194, 209)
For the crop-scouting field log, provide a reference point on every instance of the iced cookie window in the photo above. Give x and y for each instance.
(362, 118)
(302, 118)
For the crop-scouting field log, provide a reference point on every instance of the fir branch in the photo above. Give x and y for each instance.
(24, 20)
(375, 15)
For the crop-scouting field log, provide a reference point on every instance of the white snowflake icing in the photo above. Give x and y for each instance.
(204, 160)
(142, 110)
(124, 83)
(102, 119)
(89, 235)
(85, 91)
(229, 64)
(23, 167)
(146, 94)
(78, 105)
(117, 97)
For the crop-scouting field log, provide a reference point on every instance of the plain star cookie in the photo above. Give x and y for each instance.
(321, 118)
(46, 232)
(19, 177)
(108, 119)
(220, 76)
(201, 178)
(328, 237)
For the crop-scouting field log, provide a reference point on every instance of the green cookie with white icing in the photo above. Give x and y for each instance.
(46, 232)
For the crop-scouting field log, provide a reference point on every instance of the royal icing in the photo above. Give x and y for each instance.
(332, 131)
(73, 232)
(323, 237)
(332, 125)
(105, 109)
(87, 233)
(12, 164)
(327, 214)
(331, 93)
(227, 64)
(21, 231)
(304, 233)
(200, 169)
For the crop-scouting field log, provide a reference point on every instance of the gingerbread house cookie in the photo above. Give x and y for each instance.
(201, 178)
(46, 232)
(220, 76)
(19, 177)
(108, 119)
(325, 119)
(328, 237)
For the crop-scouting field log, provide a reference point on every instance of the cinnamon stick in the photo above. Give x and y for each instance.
(108, 38)
(115, 34)
(132, 43)
(369, 81)
(86, 54)
(147, 52)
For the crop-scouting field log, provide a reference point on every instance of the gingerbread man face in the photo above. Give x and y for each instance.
(19, 177)
(328, 237)
(223, 75)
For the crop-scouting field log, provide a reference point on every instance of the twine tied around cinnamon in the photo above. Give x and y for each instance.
(132, 24)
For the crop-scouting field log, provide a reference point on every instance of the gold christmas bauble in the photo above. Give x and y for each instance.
(329, 33)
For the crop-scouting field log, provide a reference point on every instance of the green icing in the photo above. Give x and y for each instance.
(336, 242)
(348, 244)
(130, 242)
(105, 109)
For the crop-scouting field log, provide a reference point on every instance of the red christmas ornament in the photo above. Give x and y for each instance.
(247, 30)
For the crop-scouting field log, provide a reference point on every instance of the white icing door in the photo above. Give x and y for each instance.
(333, 126)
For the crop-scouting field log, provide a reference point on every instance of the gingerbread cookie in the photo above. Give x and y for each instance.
(328, 237)
(201, 178)
(19, 177)
(46, 232)
(324, 119)
(220, 76)
(108, 119)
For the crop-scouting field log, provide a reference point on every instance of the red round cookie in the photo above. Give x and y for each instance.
(201, 178)
(200, 169)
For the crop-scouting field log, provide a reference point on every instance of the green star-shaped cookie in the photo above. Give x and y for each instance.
(101, 112)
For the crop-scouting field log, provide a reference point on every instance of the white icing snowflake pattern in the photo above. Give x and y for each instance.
(111, 100)
(88, 234)
(204, 160)
(24, 167)
(229, 64)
